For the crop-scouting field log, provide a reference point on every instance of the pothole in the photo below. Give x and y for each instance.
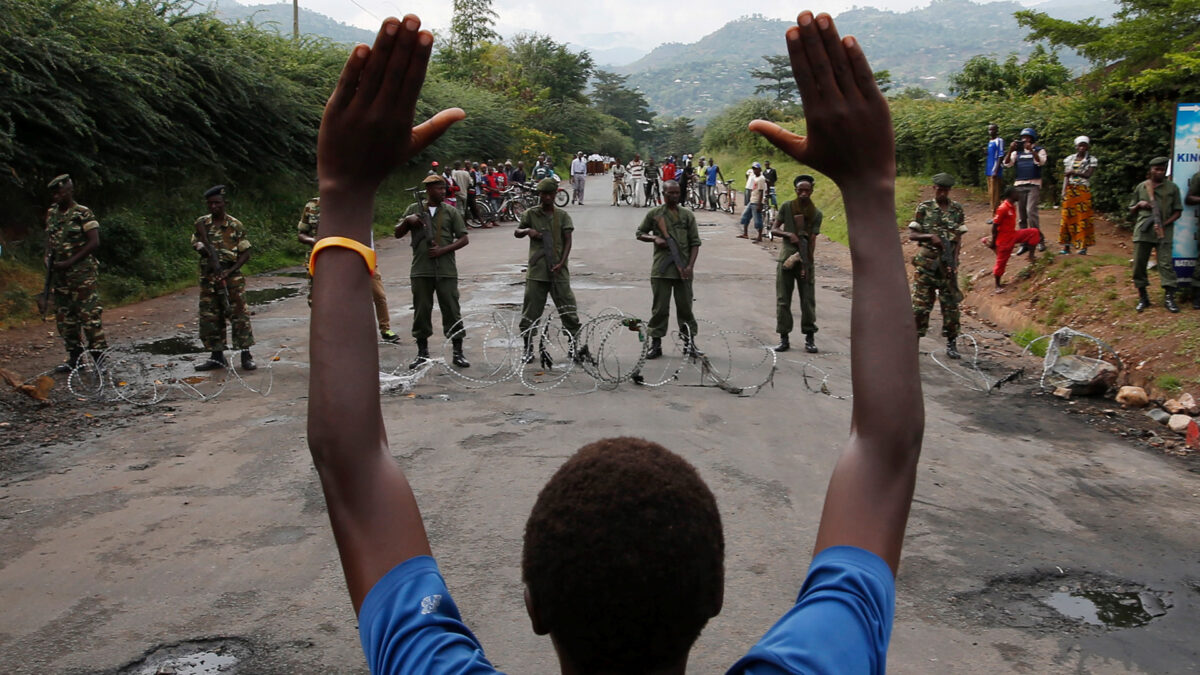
(263, 296)
(1054, 601)
(194, 657)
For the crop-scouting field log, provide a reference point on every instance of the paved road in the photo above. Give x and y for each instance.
(204, 520)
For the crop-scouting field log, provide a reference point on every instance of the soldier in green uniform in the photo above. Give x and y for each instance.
(546, 274)
(938, 228)
(310, 221)
(222, 291)
(797, 223)
(437, 232)
(72, 237)
(1157, 205)
(676, 238)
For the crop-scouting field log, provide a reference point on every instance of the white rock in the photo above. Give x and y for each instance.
(1179, 423)
(1190, 407)
(1174, 407)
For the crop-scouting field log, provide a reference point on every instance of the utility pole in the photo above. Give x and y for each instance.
(295, 19)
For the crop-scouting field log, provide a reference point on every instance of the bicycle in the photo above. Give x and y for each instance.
(513, 206)
(624, 192)
(727, 198)
(770, 210)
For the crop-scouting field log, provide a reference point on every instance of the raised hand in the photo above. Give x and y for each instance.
(850, 136)
(367, 129)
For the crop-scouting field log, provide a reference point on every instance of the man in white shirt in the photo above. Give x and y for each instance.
(637, 174)
(578, 177)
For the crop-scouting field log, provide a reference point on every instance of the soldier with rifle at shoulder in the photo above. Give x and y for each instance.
(676, 238)
(221, 241)
(938, 227)
(550, 237)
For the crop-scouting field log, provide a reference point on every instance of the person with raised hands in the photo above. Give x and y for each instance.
(623, 560)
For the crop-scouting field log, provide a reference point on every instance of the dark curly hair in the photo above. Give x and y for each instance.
(624, 556)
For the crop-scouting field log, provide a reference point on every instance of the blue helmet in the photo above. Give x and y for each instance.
(1028, 131)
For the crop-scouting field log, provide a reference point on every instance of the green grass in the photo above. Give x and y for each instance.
(1028, 334)
(1169, 383)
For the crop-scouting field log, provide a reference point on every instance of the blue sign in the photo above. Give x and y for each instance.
(1185, 163)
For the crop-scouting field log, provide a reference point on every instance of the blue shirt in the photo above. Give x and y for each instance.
(841, 622)
(995, 154)
(710, 174)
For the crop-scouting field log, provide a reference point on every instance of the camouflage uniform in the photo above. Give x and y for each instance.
(665, 279)
(76, 301)
(230, 241)
(933, 276)
(537, 278)
(435, 276)
(310, 221)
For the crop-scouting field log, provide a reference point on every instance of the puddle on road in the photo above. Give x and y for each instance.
(292, 275)
(1064, 601)
(200, 657)
(177, 345)
(264, 296)
(1108, 609)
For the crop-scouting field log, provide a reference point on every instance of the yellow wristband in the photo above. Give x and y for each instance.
(342, 242)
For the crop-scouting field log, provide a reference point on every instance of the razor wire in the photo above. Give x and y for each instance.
(124, 375)
(1056, 372)
(609, 349)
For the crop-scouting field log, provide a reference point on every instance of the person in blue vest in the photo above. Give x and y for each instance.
(1028, 157)
(995, 166)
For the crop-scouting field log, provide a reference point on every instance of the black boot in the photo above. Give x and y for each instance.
(72, 361)
(1169, 300)
(215, 362)
(690, 348)
(810, 345)
(1196, 298)
(582, 354)
(459, 360)
(97, 357)
(422, 354)
(783, 345)
(1143, 300)
(527, 355)
(248, 361)
(952, 348)
(655, 349)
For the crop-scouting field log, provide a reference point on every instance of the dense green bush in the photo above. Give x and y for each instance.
(728, 130)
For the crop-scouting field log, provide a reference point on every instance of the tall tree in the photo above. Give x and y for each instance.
(611, 97)
(777, 78)
(546, 64)
(982, 75)
(471, 28)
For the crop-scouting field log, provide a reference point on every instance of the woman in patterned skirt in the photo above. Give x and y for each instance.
(1077, 230)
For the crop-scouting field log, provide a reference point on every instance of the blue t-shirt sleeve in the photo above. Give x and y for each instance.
(841, 622)
(409, 624)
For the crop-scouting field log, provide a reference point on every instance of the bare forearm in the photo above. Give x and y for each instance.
(882, 329)
(344, 421)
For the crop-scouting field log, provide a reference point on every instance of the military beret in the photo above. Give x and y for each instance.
(1160, 161)
(943, 180)
(802, 178)
(433, 179)
(59, 180)
(214, 191)
(547, 185)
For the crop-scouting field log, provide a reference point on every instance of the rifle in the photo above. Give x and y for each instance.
(674, 258)
(214, 268)
(43, 299)
(1155, 216)
(801, 254)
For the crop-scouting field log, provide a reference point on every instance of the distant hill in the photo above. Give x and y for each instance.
(920, 48)
(278, 17)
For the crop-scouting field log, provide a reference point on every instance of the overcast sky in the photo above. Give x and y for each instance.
(594, 24)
